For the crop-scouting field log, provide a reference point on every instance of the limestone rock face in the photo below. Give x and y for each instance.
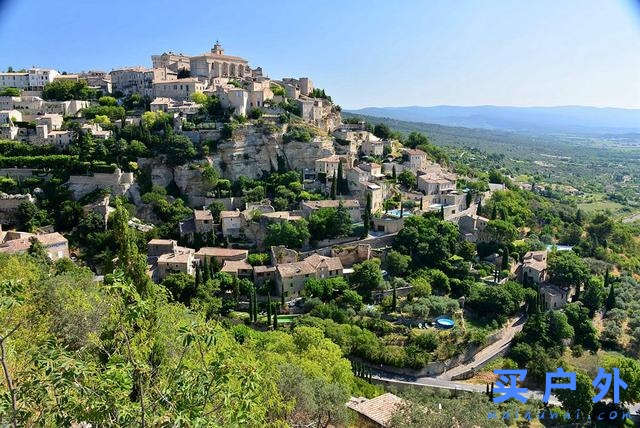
(251, 152)
(301, 154)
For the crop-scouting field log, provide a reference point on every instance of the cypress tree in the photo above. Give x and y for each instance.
(468, 199)
(579, 221)
(255, 305)
(269, 309)
(479, 210)
(205, 270)
(214, 267)
(251, 306)
(611, 298)
(494, 213)
(282, 294)
(334, 185)
(275, 319)
(393, 173)
(441, 212)
(198, 277)
(366, 215)
(340, 184)
(394, 297)
(505, 258)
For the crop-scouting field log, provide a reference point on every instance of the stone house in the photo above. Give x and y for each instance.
(300, 86)
(555, 297)
(118, 182)
(352, 205)
(388, 224)
(472, 227)
(157, 247)
(8, 117)
(416, 159)
(328, 165)
(221, 255)
(291, 277)
(239, 268)
(177, 89)
(376, 412)
(172, 61)
(182, 260)
(232, 223)
(200, 223)
(56, 245)
(533, 269)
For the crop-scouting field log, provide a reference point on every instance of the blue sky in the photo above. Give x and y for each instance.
(363, 52)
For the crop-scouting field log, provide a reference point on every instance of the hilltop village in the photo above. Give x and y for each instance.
(252, 201)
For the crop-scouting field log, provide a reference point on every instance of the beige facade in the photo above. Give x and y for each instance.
(180, 261)
(172, 61)
(290, 277)
(216, 64)
(328, 165)
(177, 89)
(139, 79)
(220, 254)
(56, 245)
(232, 223)
(534, 268)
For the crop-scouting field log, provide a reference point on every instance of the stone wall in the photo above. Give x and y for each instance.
(119, 182)
(9, 205)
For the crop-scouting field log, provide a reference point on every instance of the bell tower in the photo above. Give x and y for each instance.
(217, 49)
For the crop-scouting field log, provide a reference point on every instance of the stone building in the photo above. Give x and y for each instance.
(182, 260)
(172, 61)
(216, 64)
(34, 79)
(534, 268)
(290, 277)
(328, 165)
(139, 80)
(352, 205)
(232, 223)
(56, 245)
(220, 254)
(177, 89)
(118, 182)
(300, 86)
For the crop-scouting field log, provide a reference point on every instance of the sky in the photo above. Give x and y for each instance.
(362, 52)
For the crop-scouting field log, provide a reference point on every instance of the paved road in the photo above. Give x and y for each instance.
(488, 352)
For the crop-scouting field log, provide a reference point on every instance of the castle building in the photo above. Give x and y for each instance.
(216, 64)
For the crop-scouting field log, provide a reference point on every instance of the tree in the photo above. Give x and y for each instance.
(179, 149)
(334, 185)
(585, 333)
(367, 215)
(397, 263)
(579, 401)
(594, 294)
(340, 184)
(382, 131)
(130, 260)
(611, 298)
(65, 90)
(269, 309)
(629, 372)
(567, 269)
(502, 232)
(428, 240)
(292, 234)
(366, 276)
(182, 286)
(408, 179)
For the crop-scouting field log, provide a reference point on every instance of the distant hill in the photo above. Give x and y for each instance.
(566, 119)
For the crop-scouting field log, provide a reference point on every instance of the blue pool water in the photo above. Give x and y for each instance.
(445, 322)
